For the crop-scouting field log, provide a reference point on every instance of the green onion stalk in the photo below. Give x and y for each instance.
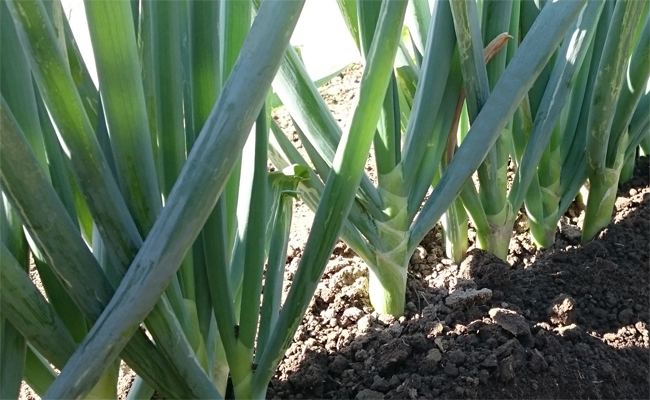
(531, 138)
(566, 167)
(478, 80)
(639, 128)
(383, 225)
(627, 170)
(633, 98)
(455, 220)
(607, 135)
(607, 132)
(13, 344)
(644, 145)
(147, 204)
(17, 86)
(556, 118)
(86, 172)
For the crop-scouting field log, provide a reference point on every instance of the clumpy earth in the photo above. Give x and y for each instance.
(566, 322)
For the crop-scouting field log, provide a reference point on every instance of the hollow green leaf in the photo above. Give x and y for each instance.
(562, 80)
(339, 191)
(201, 181)
(634, 87)
(533, 54)
(118, 68)
(420, 138)
(254, 174)
(607, 89)
(31, 314)
(51, 228)
(38, 373)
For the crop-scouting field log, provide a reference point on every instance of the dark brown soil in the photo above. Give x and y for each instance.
(567, 322)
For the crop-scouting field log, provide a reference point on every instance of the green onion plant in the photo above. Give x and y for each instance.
(611, 109)
(137, 234)
(146, 202)
(419, 112)
(594, 120)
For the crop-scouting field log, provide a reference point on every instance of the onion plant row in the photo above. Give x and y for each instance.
(157, 230)
(462, 100)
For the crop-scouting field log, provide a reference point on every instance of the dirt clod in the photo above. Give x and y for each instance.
(507, 369)
(510, 321)
(467, 298)
(367, 394)
(563, 310)
(390, 355)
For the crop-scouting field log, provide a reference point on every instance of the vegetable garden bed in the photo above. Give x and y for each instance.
(148, 209)
(342, 350)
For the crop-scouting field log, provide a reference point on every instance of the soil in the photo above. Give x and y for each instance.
(566, 322)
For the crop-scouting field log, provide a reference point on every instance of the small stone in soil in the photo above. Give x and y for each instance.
(392, 354)
(570, 332)
(419, 342)
(436, 329)
(353, 313)
(507, 369)
(537, 361)
(386, 319)
(456, 357)
(395, 329)
(367, 394)
(506, 348)
(419, 255)
(434, 355)
(451, 370)
(563, 310)
(510, 321)
(475, 326)
(473, 381)
(394, 382)
(571, 232)
(441, 343)
(490, 361)
(364, 324)
(466, 298)
(379, 384)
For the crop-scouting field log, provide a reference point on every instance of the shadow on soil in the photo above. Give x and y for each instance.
(572, 323)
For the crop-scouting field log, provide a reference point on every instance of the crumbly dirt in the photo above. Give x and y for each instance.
(566, 322)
